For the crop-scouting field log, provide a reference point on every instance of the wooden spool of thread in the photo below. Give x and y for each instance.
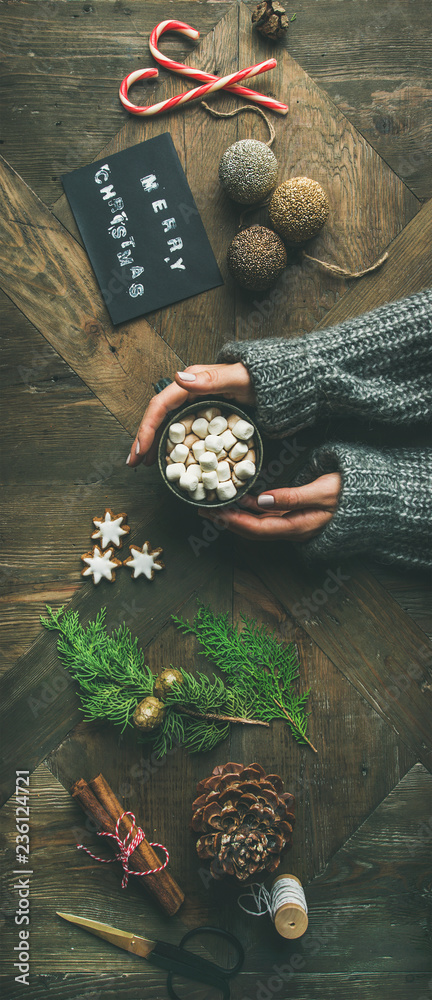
(285, 903)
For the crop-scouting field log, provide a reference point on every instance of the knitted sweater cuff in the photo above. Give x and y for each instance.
(383, 508)
(283, 379)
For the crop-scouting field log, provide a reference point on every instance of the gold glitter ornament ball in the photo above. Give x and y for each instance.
(248, 171)
(256, 257)
(298, 209)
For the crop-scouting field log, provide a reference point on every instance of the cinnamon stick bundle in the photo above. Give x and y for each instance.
(99, 802)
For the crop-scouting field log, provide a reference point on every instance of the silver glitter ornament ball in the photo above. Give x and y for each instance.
(248, 171)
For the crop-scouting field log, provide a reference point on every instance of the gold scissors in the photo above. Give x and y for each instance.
(176, 959)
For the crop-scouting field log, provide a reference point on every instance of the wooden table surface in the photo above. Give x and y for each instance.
(358, 79)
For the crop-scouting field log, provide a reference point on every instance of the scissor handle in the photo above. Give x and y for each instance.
(219, 975)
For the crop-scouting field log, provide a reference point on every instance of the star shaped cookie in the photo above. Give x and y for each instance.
(144, 561)
(100, 564)
(110, 529)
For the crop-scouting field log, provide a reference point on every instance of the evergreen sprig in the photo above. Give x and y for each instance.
(113, 679)
(255, 662)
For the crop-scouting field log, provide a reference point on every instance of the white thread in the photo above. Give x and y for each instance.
(285, 890)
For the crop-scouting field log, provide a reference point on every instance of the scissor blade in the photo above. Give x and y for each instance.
(122, 939)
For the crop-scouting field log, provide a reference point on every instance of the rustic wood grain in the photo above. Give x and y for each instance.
(38, 703)
(47, 274)
(392, 674)
(378, 874)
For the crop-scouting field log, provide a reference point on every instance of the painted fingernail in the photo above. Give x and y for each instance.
(187, 376)
(137, 449)
(265, 500)
(128, 460)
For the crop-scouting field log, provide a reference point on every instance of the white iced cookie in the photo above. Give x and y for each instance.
(110, 529)
(208, 461)
(217, 425)
(177, 433)
(188, 481)
(175, 470)
(198, 449)
(242, 430)
(179, 453)
(214, 443)
(244, 470)
(226, 491)
(238, 451)
(144, 561)
(210, 480)
(100, 565)
(228, 439)
(200, 427)
(223, 471)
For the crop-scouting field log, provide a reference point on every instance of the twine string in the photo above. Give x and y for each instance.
(341, 272)
(126, 847)
(285, 890)
(238, 111)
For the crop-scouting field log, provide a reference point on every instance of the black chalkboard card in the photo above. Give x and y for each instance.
(141, 229)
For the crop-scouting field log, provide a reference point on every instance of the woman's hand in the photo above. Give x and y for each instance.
(199, 380)
(296, 513)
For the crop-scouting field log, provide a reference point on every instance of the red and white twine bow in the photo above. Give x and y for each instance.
(126, 848)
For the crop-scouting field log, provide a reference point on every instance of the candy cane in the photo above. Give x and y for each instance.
(196, 74)
(190, 95)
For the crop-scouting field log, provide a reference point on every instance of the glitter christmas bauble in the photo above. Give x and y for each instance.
(256, 257)
(298, 209)
(248, 171)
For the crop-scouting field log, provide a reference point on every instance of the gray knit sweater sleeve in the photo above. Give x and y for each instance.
(384, 507)
(376, 366)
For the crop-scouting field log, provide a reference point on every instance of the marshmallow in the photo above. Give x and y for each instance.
(226, 491)
(170, 446)
(190, 440)
(244, 470)
(210, 413)
(200, 427)
(175, 470)
(228, 439)
(194, 470)
(177, 433)
(187, 423)
(190, 460)
(210, 480)
(179, 453)
(242, 430)
(217, 425)
(233, 419)
(250, 455)
(198, 449)
(188, 482)
(199, 493)
(237, 482)
(223, 471)
(239, 451)
(214, 443)
(208, 461)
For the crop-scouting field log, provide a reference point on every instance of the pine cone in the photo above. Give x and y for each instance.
(271, 20)
(245, 818)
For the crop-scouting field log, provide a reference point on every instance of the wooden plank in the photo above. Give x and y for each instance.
(367, 912)
(408, 270)
(369, 204)
(47, 274)
(383, 654)
(38, 703)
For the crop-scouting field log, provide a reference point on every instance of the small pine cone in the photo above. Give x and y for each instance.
(245, 820)
(271, 20)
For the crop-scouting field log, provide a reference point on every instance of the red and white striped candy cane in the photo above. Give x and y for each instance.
(196, 74)
(190, 95)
